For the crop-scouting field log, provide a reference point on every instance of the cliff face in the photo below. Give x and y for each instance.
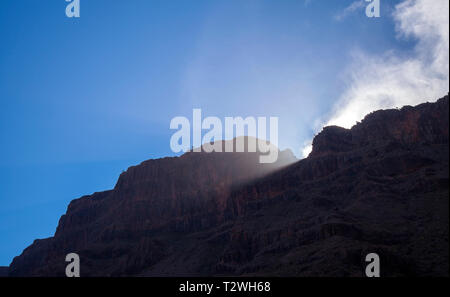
(425, 123)
(121, 231)
(381, 187)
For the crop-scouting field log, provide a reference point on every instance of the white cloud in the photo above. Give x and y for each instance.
(307, 148)
(392, 80)
(349, 10)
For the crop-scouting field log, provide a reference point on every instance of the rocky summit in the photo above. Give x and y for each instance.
(380, 187)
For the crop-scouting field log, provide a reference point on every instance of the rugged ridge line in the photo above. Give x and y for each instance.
(381, 186)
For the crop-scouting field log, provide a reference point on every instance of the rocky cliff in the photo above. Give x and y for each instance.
(380, 187)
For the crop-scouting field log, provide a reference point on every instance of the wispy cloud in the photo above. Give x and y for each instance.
(355, 6)
(307, 2)
(393, 80)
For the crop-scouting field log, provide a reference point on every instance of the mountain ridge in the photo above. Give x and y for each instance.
(226, 214)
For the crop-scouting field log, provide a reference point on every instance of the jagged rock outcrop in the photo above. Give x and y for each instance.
(381, 187)
(425, 124)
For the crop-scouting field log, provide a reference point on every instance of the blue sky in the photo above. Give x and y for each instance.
(83, 99)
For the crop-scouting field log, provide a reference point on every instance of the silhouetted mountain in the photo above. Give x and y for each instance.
(380, 187)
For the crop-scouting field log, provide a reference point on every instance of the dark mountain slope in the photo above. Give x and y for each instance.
(381, 187)
(134, 225)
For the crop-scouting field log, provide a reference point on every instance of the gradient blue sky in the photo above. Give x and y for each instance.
(83, 99)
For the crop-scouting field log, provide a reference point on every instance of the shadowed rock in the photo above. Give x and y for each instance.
(380, 187)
